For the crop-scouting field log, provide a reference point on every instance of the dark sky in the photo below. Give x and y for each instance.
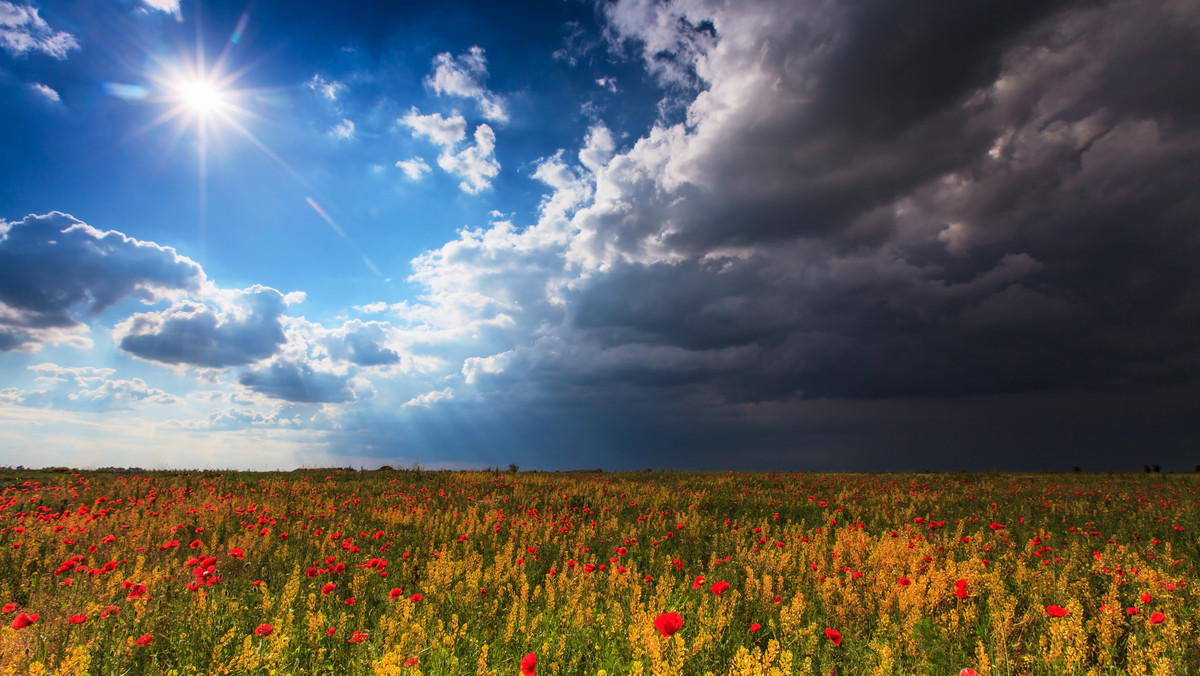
(785, 235)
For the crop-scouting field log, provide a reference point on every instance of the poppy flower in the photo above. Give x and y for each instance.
(263, 630)
(834, 635)
(1157, 617)
(755, 627)
(961, 592)
(529, 665)
(9, 607)
(77, 619)
(330, 631)
(328, 588)
(1145, 598)
(394, 594)
(349, 601)
(411, 662)
(668, 623)
(1056, 611)
(1131, 611)
(144, 639)
(719, 587)
(904, 582)
(967, 671)
(22, 620)
(699, 581)
(416, 597)
(358, 637)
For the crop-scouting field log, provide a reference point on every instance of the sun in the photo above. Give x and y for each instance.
(200, 96)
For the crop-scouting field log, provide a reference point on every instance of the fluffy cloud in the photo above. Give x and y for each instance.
(414, 168)
(85, 389)
(462, 76)
(23, 31)
(54, 263)
(476, 163)
(228, 328)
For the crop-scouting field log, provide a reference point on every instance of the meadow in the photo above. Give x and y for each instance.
(666, 573)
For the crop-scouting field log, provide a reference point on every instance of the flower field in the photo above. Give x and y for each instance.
(664, 573)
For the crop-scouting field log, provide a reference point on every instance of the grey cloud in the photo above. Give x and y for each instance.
(297, 382)
(53, 263)
(361, 343)
(241, 329)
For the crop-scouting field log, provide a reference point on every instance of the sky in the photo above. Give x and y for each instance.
(627, 234)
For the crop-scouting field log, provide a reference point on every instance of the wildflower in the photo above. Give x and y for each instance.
(1145, 598)
(349, 601)
(1157, 617)
(529, 665)
(411, 662)
(77, 619)
(144, 639)
(22, 620)
(1056, 611)
(327, 588)
(668, 623)
(834, 635)
(967, 671)
(394, 594)
(698, 582)
(416, 597)
(904, 582)
(263, 630)
(330, 631)
(358, 637)
(9, 607)
(755, 627)
(719, 587)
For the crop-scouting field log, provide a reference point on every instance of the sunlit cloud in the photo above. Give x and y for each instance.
(23, 31)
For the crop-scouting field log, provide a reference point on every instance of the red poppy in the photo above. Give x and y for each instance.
(349, 601)
(263, 630)
(967, 671)
(331, 630)
(1131, 611)
(358, 637)
(719, 587)
(1056, 611)
(668, 623)
(9, 607)
(110, 611)
(777, 599)
(1145, 598)
(411, 662)
(529, 665)
(394, 594)
(22, 620)
(961, 592)
(834, 635)
(904, 582)
(144, 639)
(416, 597)
(755, 627)
(698, 582)
(77, 619)
(328, 588)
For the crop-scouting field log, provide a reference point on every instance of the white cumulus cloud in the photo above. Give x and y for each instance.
(23, 31)
(462, 76)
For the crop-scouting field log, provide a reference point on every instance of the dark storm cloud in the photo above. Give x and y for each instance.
(938, 199)
(297, 382)
(241, 328)
(53, 263)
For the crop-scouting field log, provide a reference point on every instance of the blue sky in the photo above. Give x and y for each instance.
(619, 234)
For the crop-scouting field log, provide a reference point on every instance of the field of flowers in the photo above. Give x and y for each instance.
(477, 573)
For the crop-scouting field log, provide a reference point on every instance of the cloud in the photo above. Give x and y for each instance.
(225, 328)
(958, 219)
(297, 382)
(85, 389)
(23, 31)
(361, 343)
(54, 263)
(343, 130)
(445, 132)
(328, 89)
(49, 93)
(476, 163)
(414, 168)
(462, 76)
(430, 398)
(169, 6)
